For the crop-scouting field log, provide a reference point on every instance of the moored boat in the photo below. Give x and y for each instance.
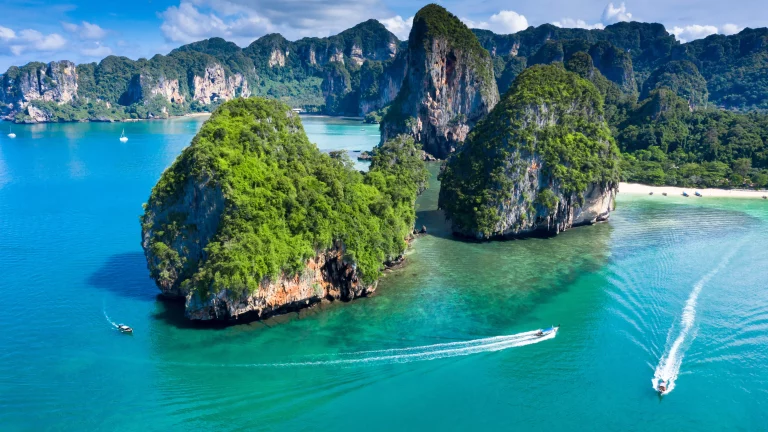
(697, 194)
(685, 194)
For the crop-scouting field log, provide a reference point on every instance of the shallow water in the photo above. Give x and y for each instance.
(442, 345)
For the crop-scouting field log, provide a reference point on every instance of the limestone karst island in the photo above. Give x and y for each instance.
(378, 215)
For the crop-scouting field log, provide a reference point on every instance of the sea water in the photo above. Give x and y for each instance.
(670, 285)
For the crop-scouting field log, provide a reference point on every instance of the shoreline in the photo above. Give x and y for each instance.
(641, 189)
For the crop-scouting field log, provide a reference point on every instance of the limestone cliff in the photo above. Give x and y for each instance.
(449, 85)
(542, 161)
(273, 225)
(52, 82)
(214, 85)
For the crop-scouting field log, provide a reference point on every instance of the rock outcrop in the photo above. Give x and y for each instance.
(52, 82)
(449, 85)
(542, 161)
(273, 226)
(215, 85)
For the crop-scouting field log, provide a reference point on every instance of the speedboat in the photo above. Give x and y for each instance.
(697, 194)
(547, 331)
(124, 328)
(11, 134)
(123, 138)
(662, 386)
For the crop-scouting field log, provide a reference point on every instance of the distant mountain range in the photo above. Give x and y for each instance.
(360, 71)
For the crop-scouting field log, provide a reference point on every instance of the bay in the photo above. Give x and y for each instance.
(441, 345)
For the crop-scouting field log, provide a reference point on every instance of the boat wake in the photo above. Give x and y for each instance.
(668, 368)
(413, 354)
(114, 324)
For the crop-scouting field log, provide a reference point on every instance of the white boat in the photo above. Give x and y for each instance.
(123, 138)
(547, 331)
(10, 133)
(124, 328)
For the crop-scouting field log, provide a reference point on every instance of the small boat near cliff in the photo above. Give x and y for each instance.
(685, 194)
(124, 328)
(547, 331)
(697, 194)
(123, 138)
(10, 133)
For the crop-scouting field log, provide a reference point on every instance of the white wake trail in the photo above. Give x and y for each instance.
(114, 324)
(668, 368)
(420, 353)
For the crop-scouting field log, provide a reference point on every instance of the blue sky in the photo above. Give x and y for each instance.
(88, 30)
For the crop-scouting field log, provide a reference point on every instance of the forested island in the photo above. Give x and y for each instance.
(253, 218)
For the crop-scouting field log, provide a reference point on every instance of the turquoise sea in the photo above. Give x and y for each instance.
(669, 286)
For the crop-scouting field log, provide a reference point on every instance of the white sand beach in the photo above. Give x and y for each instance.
(641, 189)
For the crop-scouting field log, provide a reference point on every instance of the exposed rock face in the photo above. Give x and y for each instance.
(216, 85)
(203, 202)
(325, 276)
(277, 58)
(52, 82)
(542, 161)
(449, 85)
(169, 89)
(381, 82)
(356, 54)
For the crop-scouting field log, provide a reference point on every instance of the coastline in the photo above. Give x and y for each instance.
(641, 189)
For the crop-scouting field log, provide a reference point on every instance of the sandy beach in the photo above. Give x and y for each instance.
(641, 189)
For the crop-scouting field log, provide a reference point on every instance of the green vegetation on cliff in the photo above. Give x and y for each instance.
(285, 201)
(550, 119)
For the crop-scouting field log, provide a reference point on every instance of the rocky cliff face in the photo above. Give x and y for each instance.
(52, 82)
(191, 220)
(215, 85)
(381, 82)
(449, 85)
(542, 161)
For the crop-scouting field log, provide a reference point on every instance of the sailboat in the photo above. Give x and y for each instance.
(123, 138)
(10, 133)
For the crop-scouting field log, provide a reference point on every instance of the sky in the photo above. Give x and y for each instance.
(89, 30)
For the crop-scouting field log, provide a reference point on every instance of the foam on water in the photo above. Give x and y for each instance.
(668, 368)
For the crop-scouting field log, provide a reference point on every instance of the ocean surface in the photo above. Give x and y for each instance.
(670, 287)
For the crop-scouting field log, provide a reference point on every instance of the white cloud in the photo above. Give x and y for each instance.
(613, 14)
(245, 20)
(692, 32)
(508, 21)
(6, 34)
(504, 22)
(96, 51)
(577, 23)
(729, 29)
(399, 26)
(85, 30)
(27, 40)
